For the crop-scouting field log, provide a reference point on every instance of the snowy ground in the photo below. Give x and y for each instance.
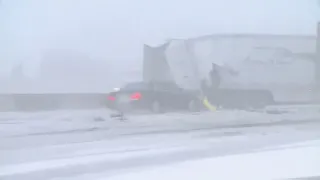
(299, 161)
(90, 145)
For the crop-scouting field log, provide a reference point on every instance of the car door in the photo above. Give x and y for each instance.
(175, 96)
(162, 95)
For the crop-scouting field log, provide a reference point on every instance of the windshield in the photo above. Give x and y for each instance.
(137, 86)
(159, 89)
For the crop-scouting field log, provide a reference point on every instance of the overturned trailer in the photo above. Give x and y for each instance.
(270, 68)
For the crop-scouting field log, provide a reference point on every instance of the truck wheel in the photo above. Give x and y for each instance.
(193, 106)
(266, 100)
(156, 107)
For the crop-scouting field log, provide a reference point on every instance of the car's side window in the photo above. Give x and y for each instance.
(157, 87)
(172, 87)
(165, 87)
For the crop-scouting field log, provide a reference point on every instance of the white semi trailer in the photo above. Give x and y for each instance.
(252, 68)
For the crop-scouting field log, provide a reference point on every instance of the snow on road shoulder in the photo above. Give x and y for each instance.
(277, 164)
(62, 121)
(292, 145)
(88, 120)
(24, 168)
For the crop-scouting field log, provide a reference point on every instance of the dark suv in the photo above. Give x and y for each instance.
(154, 96)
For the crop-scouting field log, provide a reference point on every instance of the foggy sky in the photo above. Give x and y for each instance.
(115, 30)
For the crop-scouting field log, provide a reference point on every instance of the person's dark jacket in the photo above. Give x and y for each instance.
(214, 78)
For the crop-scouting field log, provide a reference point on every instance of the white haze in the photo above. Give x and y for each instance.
(111, 33)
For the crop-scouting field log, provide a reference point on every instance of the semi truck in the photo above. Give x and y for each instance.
(253, 70)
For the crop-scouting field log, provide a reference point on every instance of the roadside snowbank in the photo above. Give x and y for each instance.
(58, 122)
(296, 162)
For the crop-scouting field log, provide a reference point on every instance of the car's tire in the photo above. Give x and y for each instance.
(156, 107)
(194, 105)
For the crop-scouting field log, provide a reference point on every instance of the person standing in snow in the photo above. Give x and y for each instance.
(214, 76)
(210, 86)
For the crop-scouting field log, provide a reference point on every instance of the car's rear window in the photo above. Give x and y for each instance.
(137, 86)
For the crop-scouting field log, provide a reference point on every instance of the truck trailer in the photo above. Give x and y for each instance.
(254, 70)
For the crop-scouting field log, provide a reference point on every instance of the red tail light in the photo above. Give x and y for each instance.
(111, 98)
(136, 96)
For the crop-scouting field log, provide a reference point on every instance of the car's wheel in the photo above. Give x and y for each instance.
(156, 107)
(193, 106)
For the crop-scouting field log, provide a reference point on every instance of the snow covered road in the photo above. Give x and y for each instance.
(88, 144)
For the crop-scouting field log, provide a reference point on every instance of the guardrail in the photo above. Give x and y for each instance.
(36, 102)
